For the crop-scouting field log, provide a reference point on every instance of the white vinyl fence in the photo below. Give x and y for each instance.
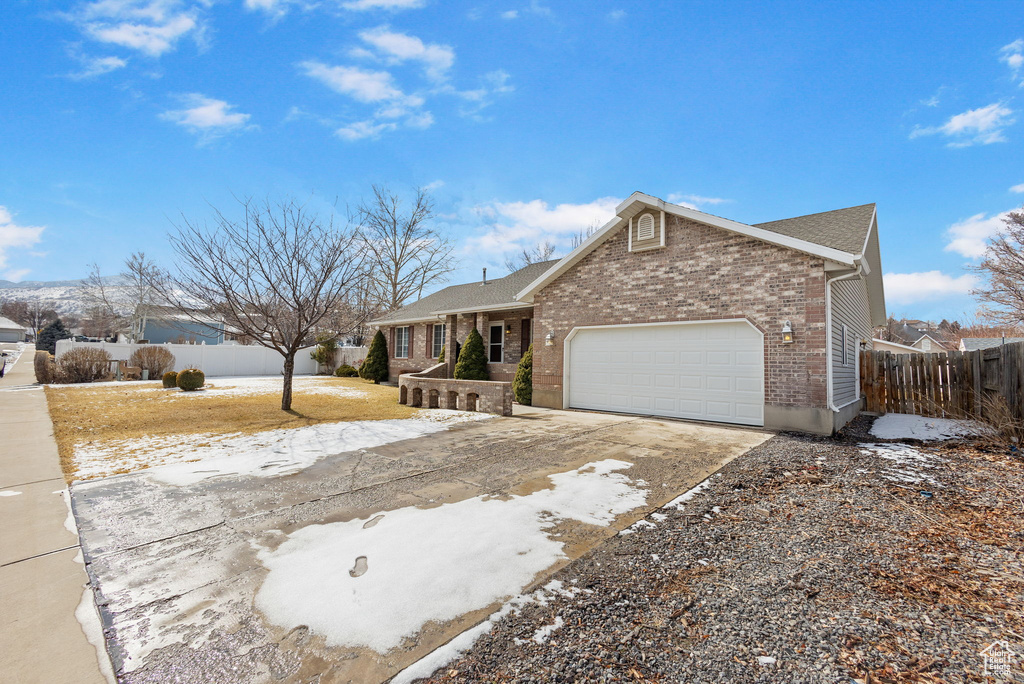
(220, 360)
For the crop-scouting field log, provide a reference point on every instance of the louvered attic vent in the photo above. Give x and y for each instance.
(645, 228)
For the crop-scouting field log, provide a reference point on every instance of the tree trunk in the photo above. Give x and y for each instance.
(286, 392)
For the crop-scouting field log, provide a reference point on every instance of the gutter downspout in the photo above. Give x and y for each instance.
(828, 338)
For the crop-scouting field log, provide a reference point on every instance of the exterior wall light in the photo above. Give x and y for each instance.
(787, 333)
(549, 339)
(508, 328)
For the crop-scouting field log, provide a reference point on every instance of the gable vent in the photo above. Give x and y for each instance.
(645, 228)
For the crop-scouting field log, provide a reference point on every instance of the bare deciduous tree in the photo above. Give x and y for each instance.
(404, 252)
(541, 252)
(35, 314)
(271, 276)
(1003, 265)
(125, 303)
(584, 233)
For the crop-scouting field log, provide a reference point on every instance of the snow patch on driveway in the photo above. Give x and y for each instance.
(183, 460)
(433, 564)
(906, 426)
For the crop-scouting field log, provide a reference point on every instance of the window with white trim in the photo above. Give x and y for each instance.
(402, 342)
(846, 345)
(645, 228)
(438, 339)
(496, 343)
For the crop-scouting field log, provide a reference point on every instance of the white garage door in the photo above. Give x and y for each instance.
(703, 371)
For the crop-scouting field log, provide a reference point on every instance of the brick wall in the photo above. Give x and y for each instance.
(419, 349)
(703, 273)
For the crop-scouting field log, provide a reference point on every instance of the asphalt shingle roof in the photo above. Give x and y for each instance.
(976, 343)
(842, 229)
(470, 295)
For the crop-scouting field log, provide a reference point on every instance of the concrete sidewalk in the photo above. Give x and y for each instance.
(42, 577)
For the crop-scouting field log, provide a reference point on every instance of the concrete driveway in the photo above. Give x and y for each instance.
(179, 570)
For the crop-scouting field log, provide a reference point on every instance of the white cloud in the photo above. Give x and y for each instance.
(149, 26)
(13, 236)
(371, 87)
(510, 14)
(519, 225)
(363, 129)
(97, 66)
(694, 201)
(1017, 188)
(206, 116)
(390, 5)
(976, 126)
(969, 237)
(909, 288)
(400, 47)
(616, 15)
(434, 185)
(362, 85)
(1013, 55)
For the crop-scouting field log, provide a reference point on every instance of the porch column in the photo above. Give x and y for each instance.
(450, 336)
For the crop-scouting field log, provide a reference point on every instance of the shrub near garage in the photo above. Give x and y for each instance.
(191, 379)
(170, 380)
(346, 371)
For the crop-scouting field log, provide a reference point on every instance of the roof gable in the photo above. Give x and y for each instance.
(842, 230)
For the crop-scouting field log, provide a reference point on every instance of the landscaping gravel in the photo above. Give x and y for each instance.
(805, 560)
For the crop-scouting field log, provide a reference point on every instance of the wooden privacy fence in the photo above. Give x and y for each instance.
(954, 384)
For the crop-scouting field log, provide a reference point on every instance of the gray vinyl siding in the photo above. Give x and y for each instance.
(849, 307)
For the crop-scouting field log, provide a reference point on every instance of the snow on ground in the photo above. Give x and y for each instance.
(433, 564)
(183, 460)
(240, 386)
(908, 463)
(307, 384)
(8, 492)
(906, 426)
(681, 500)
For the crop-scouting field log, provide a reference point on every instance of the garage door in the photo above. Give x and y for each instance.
(703, 371)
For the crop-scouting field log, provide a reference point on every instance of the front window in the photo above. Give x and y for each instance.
(438, 340)
(402, 343)
(496, 346)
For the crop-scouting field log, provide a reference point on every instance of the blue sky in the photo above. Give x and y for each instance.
(527, 120)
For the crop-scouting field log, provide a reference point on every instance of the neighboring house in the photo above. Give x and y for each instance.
(919, 337)
(670, 311)
(11, 331)
(165, 324)
(976, 343)
(897, 348)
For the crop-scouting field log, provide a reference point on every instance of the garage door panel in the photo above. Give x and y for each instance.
(705, 371)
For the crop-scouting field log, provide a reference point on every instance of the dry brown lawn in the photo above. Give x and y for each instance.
(144, 409)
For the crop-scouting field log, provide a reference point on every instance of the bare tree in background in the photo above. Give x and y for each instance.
(1003, 265)
(35, 314)
(272, 276)
(543, 251)
(584, 233)
(405, 254)
(124, 304)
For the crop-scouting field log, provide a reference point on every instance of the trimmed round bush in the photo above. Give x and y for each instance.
(83, 364)
(153, 358)
(346, 371)
(191, 379)
(170, 380)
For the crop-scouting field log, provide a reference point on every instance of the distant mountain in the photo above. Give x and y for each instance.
(64, 295)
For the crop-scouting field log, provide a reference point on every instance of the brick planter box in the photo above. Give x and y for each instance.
(431, 389)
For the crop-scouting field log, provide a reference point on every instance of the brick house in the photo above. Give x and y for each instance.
(669, 311)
